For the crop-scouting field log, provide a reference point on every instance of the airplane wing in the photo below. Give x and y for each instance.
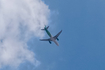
(45, 39)
(57, 35)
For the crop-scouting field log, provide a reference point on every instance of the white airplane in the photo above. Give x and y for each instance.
(51, 37)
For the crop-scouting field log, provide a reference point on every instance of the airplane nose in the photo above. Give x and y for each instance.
(57, 44)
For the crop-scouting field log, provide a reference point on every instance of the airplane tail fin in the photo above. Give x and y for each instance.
(45, 27)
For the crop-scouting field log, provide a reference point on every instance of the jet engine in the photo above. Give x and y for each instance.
(57, 39)
(50, 42)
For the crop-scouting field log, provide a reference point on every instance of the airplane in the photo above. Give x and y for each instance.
(51, 37)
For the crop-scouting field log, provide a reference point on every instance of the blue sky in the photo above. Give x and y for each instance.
(81, 43)
(82, 40)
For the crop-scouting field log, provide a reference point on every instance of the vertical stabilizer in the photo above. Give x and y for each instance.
(45, 28)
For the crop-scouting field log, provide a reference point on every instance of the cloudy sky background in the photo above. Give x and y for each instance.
(81, 42)
(19, 21)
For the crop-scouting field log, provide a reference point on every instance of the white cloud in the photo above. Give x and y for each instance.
(19, 20)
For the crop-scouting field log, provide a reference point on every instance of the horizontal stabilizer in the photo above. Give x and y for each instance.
(42, 29)
(45, 28)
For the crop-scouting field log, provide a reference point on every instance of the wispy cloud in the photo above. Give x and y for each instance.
(19, 20)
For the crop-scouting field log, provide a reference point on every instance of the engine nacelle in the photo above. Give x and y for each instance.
(50, 42)
(57, 39)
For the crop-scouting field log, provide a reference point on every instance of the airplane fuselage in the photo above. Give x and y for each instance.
(51, 37)
(54, 41)
(49, 34)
